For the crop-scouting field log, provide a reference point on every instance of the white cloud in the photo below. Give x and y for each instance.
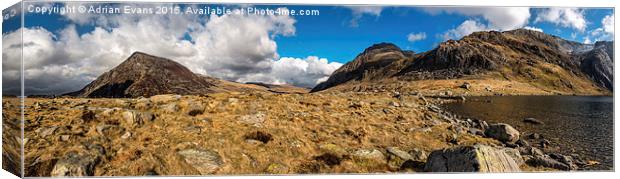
(566, 17)
(466, 28)
(533, 28)
(605, 32)
(359, 11)
(302, 72)
(608, 24)
(232, 47)
(501, 18)
(412, 37)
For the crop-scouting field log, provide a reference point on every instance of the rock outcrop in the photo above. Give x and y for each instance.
(477, 158)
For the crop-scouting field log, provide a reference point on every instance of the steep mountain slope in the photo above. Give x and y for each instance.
(523, 57)
(377, 62)
(598, 64)
(147, 75)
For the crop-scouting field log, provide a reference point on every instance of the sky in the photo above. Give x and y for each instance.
(65, 51)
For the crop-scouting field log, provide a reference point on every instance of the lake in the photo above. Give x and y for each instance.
(574, 124)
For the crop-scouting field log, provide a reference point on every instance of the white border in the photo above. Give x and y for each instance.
(531, 3)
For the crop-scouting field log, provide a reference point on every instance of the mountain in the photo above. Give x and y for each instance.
(542, 61)
(144, 75)
(376, 62)
(598, 63)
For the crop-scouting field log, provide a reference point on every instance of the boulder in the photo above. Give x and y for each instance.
(74, 165)
(547, 161)
(477, 158)
(532, 121)
(135, 118)
(397, 157)
(502, 132)
(204, 161)
(78, 163)
(369, 157)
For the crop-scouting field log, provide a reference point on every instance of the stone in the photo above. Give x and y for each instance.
(333, 149)
(418, 155)
(396, 157)
(44, 132)
(195, 109)
(394, 104)
(65, 137)
(126, 135)
(135, 118)
(253, 119)
(502, 132)
(169, 108)
(515, 154)
(531, 151)
(535, 136)
(165, 98)
(523, 143)
(476, 158)
(546, 161)
(532, 121)
(204, 161)
(276, 168)
(466, 86)
(567, 160)
(368, 157)
(74, 164)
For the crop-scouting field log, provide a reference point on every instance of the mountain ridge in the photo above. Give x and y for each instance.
(544, 61)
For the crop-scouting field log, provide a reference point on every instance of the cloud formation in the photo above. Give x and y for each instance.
(605, 32)
(533, 28)
(359, 11)
(412, 37)
(565, 17)
(232, 47)
(466, 28)
(501, 18)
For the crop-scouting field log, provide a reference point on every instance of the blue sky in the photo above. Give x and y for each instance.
(332, 36)
(66, 51)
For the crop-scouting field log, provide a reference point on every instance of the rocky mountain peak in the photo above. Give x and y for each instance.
(142, 74)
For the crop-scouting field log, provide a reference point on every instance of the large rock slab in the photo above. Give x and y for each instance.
(477, 158)
(204, 161)
(78, 163)
(502, 132)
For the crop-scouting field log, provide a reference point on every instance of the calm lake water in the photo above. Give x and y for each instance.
(574, 124)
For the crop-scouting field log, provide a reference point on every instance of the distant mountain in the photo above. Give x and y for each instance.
(144, 75)
(545, 61)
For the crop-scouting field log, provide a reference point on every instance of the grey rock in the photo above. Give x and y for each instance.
(477, 158)
(546, 161)
(532, 121)
(204, 161)
(135, 118)
(502, 132)
(368, 154)
(397, 157)
(75, 164)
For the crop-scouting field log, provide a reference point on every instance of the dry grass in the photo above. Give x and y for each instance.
(236, 126)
